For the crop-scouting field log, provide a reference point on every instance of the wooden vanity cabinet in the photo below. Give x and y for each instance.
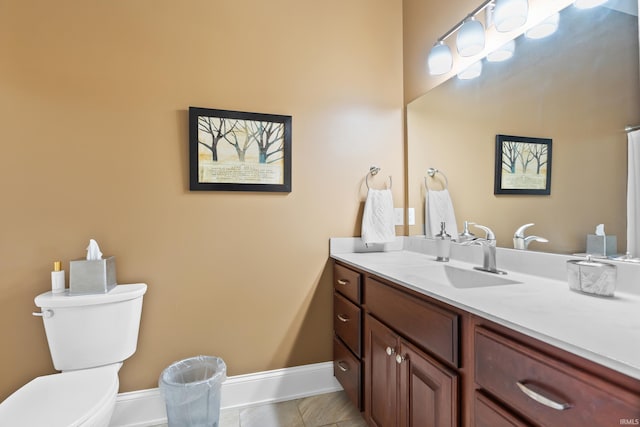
(347, 328)
(409, 360)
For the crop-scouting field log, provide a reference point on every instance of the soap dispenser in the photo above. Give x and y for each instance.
(443, 244)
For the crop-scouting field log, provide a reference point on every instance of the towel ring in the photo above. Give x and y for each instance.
(432, 172)
(373, 171)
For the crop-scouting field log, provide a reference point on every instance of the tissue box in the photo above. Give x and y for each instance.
(92, 276)
(592, 277)
(596, 245)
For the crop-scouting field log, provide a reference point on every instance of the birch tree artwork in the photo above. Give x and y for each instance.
(239, 148)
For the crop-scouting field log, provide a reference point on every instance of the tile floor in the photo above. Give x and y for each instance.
(324, 410)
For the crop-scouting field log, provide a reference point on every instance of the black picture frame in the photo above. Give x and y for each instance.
(239, 151)
(523, 165)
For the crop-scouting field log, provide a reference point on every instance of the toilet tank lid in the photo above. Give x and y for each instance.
(116, 294)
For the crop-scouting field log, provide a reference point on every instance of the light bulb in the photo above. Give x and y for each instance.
(471, 72)
(470, 39)
(545, 28)
(510, 14)
(440, 59)
(502, 53)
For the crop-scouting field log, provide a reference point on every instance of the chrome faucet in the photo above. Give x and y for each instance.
(522, 242)
(488, 250)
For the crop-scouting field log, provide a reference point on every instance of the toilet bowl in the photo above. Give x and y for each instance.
(89, 337)
(70, 399)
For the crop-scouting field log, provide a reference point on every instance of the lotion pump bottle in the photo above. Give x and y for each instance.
(443, 244)
(57, 278)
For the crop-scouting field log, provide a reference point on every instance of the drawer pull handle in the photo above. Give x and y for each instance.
(343, 318)
(542, 399)
(342, 366)
(400, 359)
(391, 351)
(343, 282)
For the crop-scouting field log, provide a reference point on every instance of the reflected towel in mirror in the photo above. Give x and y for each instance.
(439, 208)
(378, 217)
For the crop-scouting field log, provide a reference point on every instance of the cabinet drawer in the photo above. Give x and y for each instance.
(432, 328)
(545, 390)
(347, 370)
(347, 322)
(347, 282)
(487, 413)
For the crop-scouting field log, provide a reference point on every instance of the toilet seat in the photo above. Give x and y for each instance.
(67, 399)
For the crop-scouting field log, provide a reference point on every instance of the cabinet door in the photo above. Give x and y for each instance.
(428, 390)
(380, 374)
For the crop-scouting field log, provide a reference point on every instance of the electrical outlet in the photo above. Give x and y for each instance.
(412, 216)
(399, 212)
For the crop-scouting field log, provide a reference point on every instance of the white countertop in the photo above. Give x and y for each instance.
(603, 330)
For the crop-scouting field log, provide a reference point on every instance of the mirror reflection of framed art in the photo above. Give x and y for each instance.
(523, 165)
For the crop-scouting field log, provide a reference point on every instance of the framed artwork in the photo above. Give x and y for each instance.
(523, 165)
(239, 151)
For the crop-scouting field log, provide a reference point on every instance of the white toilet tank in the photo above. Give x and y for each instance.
(86, 331)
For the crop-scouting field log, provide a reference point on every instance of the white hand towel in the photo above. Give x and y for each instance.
(377, 218)
(438, 208)
(633, 194)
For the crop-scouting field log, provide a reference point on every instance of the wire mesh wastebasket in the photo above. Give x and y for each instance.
(192, 389)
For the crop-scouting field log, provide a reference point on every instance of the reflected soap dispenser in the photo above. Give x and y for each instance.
(57, 278)
(443, 244)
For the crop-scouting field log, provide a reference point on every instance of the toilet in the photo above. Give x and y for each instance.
(89, 337)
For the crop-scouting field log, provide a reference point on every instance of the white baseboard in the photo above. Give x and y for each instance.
(146, 407)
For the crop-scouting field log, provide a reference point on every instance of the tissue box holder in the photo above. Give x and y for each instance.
(602, 245)
(92, 276)
(592, 277)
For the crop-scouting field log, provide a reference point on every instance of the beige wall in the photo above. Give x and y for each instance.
(582, 103)
(94, 145)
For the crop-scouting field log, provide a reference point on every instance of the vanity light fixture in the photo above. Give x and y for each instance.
(471, 37)
(505, 16)
(440, 59)
(471, 72)
(502, 53)
(545, 28)
(470, 41)
(588, 4)
(510, 14)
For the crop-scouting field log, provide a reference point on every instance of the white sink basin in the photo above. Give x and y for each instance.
(463, 278)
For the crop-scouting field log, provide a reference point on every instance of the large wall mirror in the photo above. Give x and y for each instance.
(579, 87)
